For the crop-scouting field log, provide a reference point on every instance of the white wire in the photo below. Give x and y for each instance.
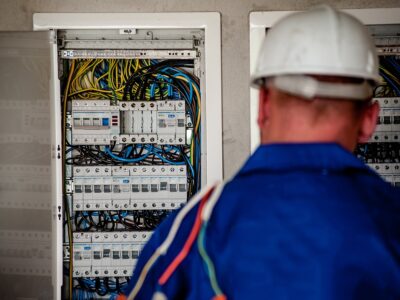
(163, 248)
(209, 206)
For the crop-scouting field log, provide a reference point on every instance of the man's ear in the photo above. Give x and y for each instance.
(368, 122)
(263, 107)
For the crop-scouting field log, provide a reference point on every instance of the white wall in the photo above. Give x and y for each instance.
(17, 15)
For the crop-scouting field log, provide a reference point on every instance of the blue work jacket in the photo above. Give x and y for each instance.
(299, 221)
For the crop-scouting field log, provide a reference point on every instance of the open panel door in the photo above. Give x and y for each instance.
(25, 166)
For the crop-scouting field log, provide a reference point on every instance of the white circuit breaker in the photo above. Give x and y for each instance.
(94, 122)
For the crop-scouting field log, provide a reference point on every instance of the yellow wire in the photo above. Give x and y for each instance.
(198, 103)
(64, 158)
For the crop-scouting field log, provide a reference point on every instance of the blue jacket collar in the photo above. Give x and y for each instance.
(312, 156)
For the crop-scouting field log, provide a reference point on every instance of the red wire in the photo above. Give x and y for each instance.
(188, 244)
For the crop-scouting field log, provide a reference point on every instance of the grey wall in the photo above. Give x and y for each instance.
(17, 15)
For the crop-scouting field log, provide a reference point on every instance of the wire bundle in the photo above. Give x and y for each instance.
(389, 69)
(92, 288)
(140, 220)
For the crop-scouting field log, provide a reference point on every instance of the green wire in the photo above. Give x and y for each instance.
(208, 262)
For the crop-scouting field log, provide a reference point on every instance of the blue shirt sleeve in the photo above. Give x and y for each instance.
(150, 284)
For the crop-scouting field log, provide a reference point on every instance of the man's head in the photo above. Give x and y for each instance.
(316, 72)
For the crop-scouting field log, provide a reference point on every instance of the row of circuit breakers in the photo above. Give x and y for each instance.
(128, 187)
(99, 122)
(139, 187)
(103, 254)
(388, 133)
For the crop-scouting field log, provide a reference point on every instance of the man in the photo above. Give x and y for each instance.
(303, 219)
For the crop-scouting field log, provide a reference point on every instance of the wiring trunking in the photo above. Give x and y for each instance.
(382, 152)
(132, 142)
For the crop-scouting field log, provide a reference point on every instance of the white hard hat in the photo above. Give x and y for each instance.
(321, 41)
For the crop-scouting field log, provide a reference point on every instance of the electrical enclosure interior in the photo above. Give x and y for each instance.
(131, 106)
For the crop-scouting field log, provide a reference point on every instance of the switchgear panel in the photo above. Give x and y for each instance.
(382, 152)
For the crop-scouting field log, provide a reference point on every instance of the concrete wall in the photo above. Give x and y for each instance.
(17, 15)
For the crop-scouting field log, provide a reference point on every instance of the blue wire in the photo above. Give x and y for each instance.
(190, 165)
(128, 151)
(152, 90)
(388, 80)
(128, 160)
(394, 63)
(156, 151)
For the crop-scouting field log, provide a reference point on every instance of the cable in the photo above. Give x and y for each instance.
(201, 240)
(66, 204)
(188, 244)
(163, 248)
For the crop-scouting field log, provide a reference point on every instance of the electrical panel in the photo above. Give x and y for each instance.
(382, 152)
(131, 143)
(109, 122)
